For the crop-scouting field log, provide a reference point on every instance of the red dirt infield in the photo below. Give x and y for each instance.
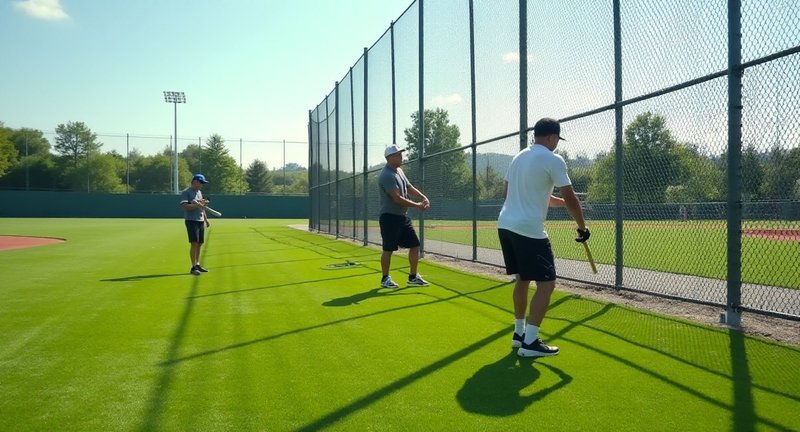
(774, 234)
(21, 242)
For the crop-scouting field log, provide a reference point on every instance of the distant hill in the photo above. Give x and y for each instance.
(496, 161)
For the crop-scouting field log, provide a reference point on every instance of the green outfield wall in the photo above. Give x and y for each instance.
(89, 205)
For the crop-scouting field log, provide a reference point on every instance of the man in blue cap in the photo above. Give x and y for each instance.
(193, 205)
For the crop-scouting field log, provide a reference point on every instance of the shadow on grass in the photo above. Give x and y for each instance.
(144, 277)
(497, 389)
(744, 412)
(359, 297)
(399, 384)
(159, 393)
(284, 285)
(173, 361)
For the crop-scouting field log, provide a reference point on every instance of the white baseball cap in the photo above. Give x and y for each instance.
(392, 149)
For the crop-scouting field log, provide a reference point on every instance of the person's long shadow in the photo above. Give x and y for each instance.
(497, 389)
(362, 296)
(144, 277)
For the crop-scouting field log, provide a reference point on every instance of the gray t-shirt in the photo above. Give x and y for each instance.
(389, 180)
(189, 195)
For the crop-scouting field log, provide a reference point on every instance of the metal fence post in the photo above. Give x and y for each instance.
(421, 122)
(366, 144)
(394, 94)
(308, 174)
(319, 175)
(353, 136)
(523, 74)
(618, 154)
(732, 315)
(336, 143)
(127, 162)
(474, 131)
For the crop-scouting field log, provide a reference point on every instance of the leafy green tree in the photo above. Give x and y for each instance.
(97, 172)
(649, 163)
(30, 140)
(152, 174)
(220, 168)
(75, 141)
(602, 187)
(192, 154)
(698, 178)
(752, 174)
(782, 174)
(299, 184)
(490, 184)
(291, 166)
(259, 178)
(8, 154)
(447, 175)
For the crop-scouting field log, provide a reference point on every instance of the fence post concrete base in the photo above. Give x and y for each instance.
(731, 317)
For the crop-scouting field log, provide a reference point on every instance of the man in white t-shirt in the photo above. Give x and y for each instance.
(529, 184)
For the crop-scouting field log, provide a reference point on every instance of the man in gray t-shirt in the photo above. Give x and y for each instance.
(396, 228)
(195, 219)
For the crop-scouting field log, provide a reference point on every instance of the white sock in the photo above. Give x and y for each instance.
(519, 326)
(531, 333)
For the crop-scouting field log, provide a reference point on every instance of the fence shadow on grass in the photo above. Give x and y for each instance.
(496, 389)
(144, 277)
(744, 413)
(357, 298)
(159, 393)
(173, 361)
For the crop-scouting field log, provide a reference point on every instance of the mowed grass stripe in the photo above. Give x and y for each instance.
(97, 336)
(694, 248)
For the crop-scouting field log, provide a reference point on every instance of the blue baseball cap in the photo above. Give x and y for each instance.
(200, 177)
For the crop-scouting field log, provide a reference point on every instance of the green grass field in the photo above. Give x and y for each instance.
(107, 331)
(694, 248)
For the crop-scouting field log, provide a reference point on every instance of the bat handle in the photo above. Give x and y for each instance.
(589, 256)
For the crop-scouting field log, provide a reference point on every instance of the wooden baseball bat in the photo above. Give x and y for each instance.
(589, 256)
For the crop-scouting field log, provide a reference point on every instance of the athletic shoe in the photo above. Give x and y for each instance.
(417, 281)
(194, 271)
(201, 268)
(537, 348)
(387, 282)
(517, 340)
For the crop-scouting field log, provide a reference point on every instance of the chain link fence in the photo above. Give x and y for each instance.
(683, 121)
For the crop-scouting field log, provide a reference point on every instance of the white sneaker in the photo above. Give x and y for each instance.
(417, 281)
(387, 282)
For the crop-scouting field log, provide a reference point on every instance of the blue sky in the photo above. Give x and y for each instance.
(251, 69)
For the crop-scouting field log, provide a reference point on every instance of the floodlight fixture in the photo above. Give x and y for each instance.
(174, 97)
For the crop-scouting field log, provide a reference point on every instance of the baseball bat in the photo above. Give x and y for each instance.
(589, 256)
(216, 213)
(209, 210)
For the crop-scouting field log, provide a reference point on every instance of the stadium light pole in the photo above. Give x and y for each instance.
(175, 98)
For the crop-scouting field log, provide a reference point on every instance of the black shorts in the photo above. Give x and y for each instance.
(396, 230)
(196, 231)
(531, 258)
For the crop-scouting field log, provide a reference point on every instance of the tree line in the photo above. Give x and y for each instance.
(76, 162)
(657, 167)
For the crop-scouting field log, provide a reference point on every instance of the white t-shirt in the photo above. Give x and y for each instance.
(531, 176)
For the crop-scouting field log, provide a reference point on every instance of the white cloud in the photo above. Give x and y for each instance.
(50, 10)
(452, 99)
(513, 57)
